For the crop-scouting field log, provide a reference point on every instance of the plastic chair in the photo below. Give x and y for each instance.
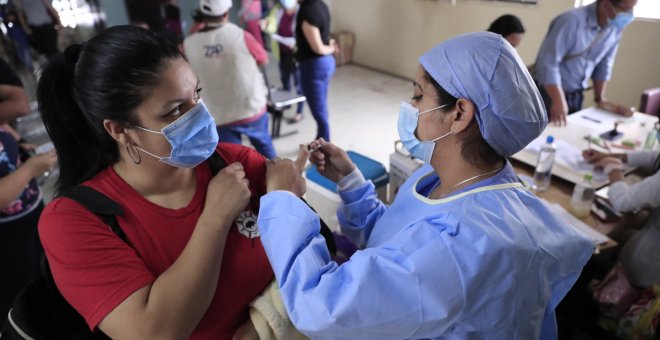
(650, 103)
(278, 101)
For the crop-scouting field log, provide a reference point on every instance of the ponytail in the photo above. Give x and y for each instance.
(78, 146)
(105, 78)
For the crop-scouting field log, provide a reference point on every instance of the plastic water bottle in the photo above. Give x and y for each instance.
(583, 197)
(543, 171)
(651, 138)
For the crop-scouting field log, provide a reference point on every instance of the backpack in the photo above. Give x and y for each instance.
(41, 312)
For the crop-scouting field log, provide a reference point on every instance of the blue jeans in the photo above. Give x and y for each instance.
(315, 77)
(257, 132)
(286, 74)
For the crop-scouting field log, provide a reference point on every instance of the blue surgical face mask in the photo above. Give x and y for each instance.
(193, 138)
(621, 20)
(407, 124)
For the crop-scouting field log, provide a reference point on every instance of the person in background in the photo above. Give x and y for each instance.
(40, 21)
(580, 46)
(250, 14)
(226, 59)
(17, 35)
(281, 25)
(639, 256)
(465, 250)
(20, 196)
(125, 115)
(172, 15)
(198, 22)
(314, 54)
(510, 28)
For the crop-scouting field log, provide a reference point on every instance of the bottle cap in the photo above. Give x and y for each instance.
(550, 139)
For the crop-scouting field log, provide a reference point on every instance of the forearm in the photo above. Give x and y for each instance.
(13, 184)
(599, 90)
(625, 197)
(182, 294)
(323, 49)
(12, 109)
(175, 303)
(556, 93)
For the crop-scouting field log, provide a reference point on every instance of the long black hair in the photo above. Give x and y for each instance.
(506, 25)
(105, 78)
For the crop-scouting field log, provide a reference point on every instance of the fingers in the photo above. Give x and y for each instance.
(303, 154)
(316, 144)
(608, 160)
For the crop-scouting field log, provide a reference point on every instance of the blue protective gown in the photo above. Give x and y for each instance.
(487, 262)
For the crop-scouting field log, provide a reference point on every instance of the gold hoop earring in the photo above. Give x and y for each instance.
(137, 152)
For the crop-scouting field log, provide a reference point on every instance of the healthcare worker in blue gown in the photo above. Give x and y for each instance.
(465, 251)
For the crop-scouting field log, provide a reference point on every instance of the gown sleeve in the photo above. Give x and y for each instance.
(409, 288)
(359, 211)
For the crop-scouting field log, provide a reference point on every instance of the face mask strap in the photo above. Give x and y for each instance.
(443, 136)
(137, 152)
(433, 109)
(148, 153)
(148, 130)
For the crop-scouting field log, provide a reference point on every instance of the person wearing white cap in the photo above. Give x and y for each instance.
(465, 250)
(226, 59)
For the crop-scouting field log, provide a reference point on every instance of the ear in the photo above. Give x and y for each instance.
(118, 131)
(463, 116)
(608, 9)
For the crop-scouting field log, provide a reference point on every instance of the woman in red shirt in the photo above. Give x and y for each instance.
(124, 114)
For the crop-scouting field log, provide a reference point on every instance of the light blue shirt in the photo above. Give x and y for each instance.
(569, 34)
(488, 262)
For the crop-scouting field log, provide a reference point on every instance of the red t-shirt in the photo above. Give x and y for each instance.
(95, 270)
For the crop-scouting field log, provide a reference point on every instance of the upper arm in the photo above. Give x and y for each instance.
(93, 268)
(116, 324)
(603, 70)
(313, 36)
(555, 46)
(255, 48)
(14, 102)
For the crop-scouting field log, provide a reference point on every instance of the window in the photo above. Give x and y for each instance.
(649, 9)
(73, 12)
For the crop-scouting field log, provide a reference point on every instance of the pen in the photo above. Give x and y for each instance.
(592, 119)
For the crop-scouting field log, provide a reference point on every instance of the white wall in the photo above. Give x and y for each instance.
(392, 34)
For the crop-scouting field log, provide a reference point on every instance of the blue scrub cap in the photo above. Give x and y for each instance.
(485, 69)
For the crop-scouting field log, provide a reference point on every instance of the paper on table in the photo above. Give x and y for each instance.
(568, 156)
(598, 119)
(603, 192)
(596, 237)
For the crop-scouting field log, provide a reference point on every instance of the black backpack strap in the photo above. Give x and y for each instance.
(98, 204)
(216, 163)
(326, 232)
